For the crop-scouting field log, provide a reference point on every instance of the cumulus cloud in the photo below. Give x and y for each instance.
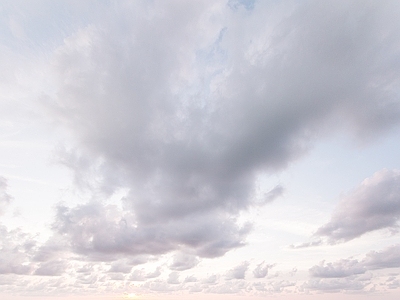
(342, 268)
(238, 272)
(173, 278)
(373, 205)
(51, 268)
(183, 261)
(261, 270)
(184, 111)
(280, 286)
(387, 258)
(191, 278)
(137, 275)
(212, 279)
(120, 266)
(335, 285)
(16, 251)
(154, 274)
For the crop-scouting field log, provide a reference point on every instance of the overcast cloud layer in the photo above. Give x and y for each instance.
(181, 107)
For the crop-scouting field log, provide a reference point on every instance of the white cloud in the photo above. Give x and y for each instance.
(5, 198)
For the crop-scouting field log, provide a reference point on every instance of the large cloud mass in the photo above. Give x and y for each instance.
(184, 104)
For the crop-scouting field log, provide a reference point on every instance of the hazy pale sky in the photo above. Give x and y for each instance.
(199, 150)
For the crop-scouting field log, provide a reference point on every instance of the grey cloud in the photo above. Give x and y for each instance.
(154, 274)
(117, 276)
(138, 275)
(373, 205)
(387, 258)
(52, 249)
(140, 259)
(191, 279)
(307, 244)
(173, 278)
(185, 111)
(183, 261)
(212, 279)
(261, 270)
(342, 268)
(16, 251)
(51, 268)
(195, 288)
(392, 283)
(238, 272)
(105, 233)
(276, 192)
(280, 286)
(86, 269)
(228, 287)
(120, 266)
(335, 285)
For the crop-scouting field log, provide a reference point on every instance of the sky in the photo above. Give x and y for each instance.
(233, 149)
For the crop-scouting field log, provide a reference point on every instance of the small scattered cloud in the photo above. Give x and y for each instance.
(261, 270)
(307, 244)
(120, 266)
(339, 269)
(138, 275)
(154, 274)
(335, 285)
(238, 272)
(183, 261)
(280, 286)
(212, 279)
(173, 278)
(191, 278)
(276, 192)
